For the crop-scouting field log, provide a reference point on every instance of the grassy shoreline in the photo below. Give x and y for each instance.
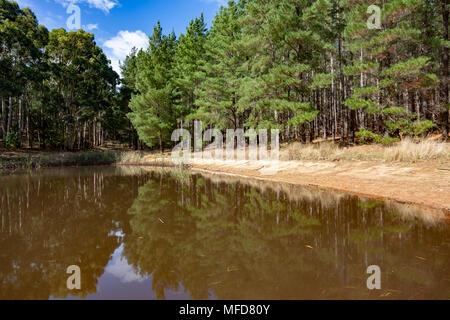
(11, 161)
(406, 151)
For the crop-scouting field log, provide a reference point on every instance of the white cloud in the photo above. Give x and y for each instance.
(91, 27)
(104, 5)
(118, 47)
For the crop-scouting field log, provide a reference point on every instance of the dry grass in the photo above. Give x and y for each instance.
(407, 150)
(330, 151)
(320, 151)
(410, 151)
(404, 151)
(132, 157)
(145, 158)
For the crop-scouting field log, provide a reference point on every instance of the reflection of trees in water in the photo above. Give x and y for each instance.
(57, 219)
(236, 242)
(230, 239)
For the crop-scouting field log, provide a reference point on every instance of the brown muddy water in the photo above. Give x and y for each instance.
(165, 234)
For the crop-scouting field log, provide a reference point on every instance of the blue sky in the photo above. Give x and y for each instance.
(118, 25)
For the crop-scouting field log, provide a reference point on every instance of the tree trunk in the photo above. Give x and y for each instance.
(10, 111)
(445, 64)
(29, 135)
(99, 138)
(341, 91)
(3, 119)
(352, 125)
(19, 133)
(94, 135)
(333, 101)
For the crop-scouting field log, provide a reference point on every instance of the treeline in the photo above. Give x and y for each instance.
(57, 88)
(311, 68)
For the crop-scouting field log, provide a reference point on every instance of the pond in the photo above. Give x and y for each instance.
(149, 233)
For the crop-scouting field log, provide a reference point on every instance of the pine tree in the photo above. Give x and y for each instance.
(389, 71)
(152, 108)
(189, 59)
(218, 91)
(282, 57)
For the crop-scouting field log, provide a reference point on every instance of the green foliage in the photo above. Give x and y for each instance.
(355, 104)
(394, 111)
(53, 138)
(418, 128)
(397, 127)
(357, 68)
(322, 80)
(386, 140)
(388, 63)
(366, 136)
(190, 58)
(287, 64)
(218, 94)
(12, 140)
(406, 127)
(62, 80)
(262, 65)
(152, 108)
(410, 68)
(366, 91)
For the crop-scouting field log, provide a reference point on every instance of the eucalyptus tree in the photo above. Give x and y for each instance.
(83, 78)
(21, 64)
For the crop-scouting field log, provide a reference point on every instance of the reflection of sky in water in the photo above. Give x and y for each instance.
(121, 281)
(119, 267)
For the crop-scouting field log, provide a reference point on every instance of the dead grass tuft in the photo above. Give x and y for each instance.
(405, 151)
(409, 151)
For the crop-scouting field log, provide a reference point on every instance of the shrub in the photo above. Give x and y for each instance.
(418, 128)
(366, 136)
(12, 140)
(386, 140)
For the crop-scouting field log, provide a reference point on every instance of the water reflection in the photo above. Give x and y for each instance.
(147, 234)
